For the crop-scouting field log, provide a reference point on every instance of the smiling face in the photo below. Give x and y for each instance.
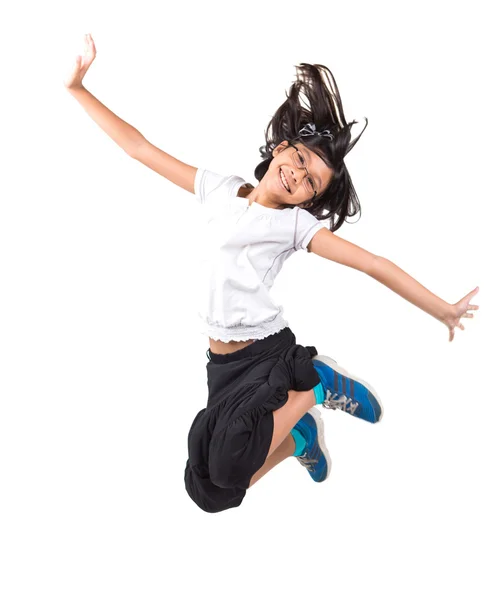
(285, 181)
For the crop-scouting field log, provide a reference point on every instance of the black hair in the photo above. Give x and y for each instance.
(316, 82)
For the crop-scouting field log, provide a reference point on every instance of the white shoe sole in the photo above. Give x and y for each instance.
(316, 415)
(336, 367)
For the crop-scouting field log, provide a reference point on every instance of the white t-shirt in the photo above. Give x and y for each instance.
(243, 249)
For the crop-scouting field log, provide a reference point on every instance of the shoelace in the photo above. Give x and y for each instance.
(307, 462)
(342, 402)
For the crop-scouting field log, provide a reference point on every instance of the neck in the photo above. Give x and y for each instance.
(256, 195)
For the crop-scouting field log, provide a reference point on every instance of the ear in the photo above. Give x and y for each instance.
(306, 204)
(282, 146)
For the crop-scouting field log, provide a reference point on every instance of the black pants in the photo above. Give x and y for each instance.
(229, 439)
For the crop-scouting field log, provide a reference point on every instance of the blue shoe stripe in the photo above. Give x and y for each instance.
(367, 405)
(308, 427)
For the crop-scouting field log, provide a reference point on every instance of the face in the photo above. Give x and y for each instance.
(284, 166)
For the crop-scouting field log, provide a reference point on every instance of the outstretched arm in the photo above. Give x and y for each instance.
(124, 134)
(330, 246)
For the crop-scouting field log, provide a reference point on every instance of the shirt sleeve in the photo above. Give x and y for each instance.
(306, 227)
(210, 186)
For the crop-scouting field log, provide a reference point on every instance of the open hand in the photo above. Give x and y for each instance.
(82, 63)
(459, 311)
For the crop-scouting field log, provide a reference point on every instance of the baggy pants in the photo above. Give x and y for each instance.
(229, 439)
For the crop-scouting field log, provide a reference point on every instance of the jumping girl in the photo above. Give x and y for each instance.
(262, 385)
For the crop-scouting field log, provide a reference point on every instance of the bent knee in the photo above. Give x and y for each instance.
(224, 474)
(238, 452)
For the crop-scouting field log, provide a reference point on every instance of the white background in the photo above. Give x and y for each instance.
(103, 367)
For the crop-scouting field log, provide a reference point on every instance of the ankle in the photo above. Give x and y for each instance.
(299, 442)
(319, 393)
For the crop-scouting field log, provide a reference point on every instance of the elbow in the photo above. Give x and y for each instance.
(133, 148)
(375, 266)
(131, 151)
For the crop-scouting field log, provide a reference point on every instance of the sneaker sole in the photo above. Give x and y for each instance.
(335, 366)
(316, 415)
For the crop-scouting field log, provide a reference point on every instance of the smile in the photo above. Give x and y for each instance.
(284, 181)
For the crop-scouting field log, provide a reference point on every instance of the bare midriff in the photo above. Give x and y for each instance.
(218, 347)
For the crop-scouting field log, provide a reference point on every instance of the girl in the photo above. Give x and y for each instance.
(262, 386)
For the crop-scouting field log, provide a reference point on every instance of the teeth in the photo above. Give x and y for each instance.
(283, 179)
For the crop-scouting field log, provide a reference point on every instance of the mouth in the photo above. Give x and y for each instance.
(284, 181)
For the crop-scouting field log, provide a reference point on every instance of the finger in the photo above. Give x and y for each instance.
(473, 307)
(87, 52)
(90, 45)
(461, 326)
(467, 299)
(467, 315)
(451, 334)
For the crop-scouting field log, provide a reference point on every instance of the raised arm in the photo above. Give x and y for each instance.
(124, 134)
(330, 246)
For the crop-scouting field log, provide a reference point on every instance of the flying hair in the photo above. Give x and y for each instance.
(314, 99)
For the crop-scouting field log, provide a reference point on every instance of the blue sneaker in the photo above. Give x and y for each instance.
(347, 392)
(315, 458)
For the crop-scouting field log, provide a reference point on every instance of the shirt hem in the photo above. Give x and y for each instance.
(244, 334)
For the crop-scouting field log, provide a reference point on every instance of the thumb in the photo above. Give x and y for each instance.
(473, 292)
(73, 74)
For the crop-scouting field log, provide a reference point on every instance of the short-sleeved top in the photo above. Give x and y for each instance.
(243, 249)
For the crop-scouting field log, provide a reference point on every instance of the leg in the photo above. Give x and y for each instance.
(315, 457)
(283, 444)
(283, 451)
(226, 470)
(286, 417)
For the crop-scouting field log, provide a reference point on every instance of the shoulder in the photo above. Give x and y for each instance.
(306, 226)
(209, 185)
(329, 245)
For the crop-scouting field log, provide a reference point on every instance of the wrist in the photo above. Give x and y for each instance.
(75, 89)
(447, 312)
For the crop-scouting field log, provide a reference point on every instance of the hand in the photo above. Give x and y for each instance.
(458, 311)
(81, 65)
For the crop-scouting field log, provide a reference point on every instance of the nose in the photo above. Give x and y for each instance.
(298, 174)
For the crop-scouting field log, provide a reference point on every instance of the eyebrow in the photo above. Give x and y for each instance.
(310, 159)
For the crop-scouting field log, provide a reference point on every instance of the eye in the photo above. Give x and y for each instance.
(301, 158)
(311, 181)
